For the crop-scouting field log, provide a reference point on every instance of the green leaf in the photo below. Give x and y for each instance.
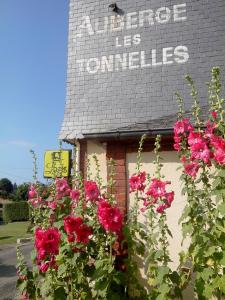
(207, 272)
(210, 251)
(62, 270)
(162, 271)
(221, 208)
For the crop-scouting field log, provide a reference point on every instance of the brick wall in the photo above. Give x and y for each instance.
(117, 152)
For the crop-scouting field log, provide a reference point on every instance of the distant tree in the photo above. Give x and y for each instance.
(6, 186)
(14, 187)
(21, 193)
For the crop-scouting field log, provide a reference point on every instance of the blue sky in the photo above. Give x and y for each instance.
(33, 58)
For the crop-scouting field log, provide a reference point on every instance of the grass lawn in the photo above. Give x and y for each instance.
(9, 233)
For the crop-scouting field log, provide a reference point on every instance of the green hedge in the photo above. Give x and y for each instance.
(15, 211)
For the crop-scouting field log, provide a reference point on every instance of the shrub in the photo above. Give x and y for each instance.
(16, 211)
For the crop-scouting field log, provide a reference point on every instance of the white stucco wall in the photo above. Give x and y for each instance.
(170, 162)
(98, 149)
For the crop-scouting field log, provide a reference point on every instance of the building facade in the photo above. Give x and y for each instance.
(126, 60)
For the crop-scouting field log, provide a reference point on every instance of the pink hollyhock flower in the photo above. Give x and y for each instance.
(83, 233)
(52, 205)
(195, 138)
(219, 156)
(217, 142)
(109, 217)
(91, 190)
(62, 188)
(74, 195)
(32, 192)
(192, 169)
(161, 208)
(169, 197)
(200, 151)
(182, 127)
(137, 182)
(177, 147)
(157, 188)
(71, 224)
(44, 267)
(24, 296)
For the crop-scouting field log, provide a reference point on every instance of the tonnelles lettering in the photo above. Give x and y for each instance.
(134, 60)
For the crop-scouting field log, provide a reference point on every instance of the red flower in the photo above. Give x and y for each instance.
(71, 224)
(109, 217)
(44, 267)
(169, 197)
(192, 169)
(137, 182)
(214, 114)
(83, 232)
(91, 190)
(47, 242)
(161, 208)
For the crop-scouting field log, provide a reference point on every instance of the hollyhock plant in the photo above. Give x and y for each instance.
(109, 217)
(136, 182)
(91, 190)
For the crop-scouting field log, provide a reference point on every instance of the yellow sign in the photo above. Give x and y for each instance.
(57, 163)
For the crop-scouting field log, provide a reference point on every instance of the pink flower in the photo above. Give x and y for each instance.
(32, 192)
(169, 197)
(157, 188)
(109, 217)
(195, 138)
(62, 188)
(71, 224)
(137, 182)
(74, 195)
(52, 205)
(192, 169)
(177, 147)
(91, 190)
(200, 151)
(161, 208)
(219, 156)
(24, 296)
(182, 127)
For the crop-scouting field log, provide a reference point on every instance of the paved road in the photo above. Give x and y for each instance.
(8, 275)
